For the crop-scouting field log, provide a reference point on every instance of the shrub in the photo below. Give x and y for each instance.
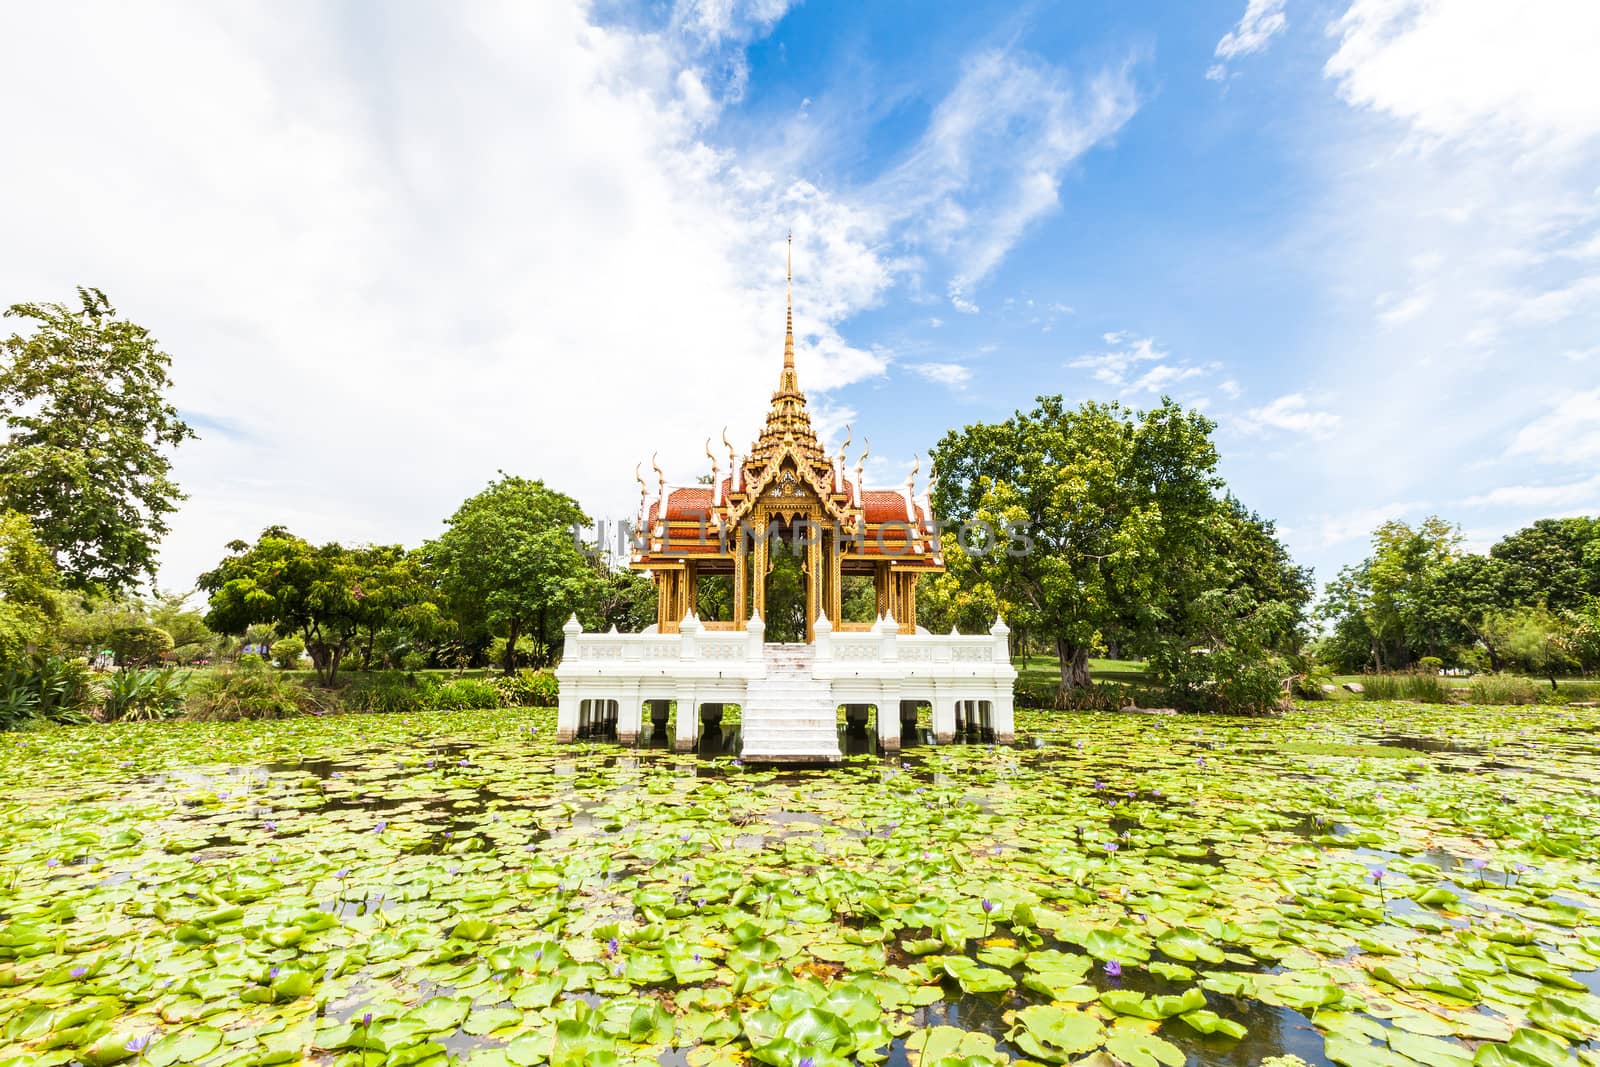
(389, 695)
(138, 645)
(143, 696)
(246, 692)
(45, 688)
(1430, 665)
(1308, 684)
(460, 694)
(1502, 689)
(1422, 688)
(527, 689)
(286, 652)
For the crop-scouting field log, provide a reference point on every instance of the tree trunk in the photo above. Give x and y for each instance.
(1074, 661)
(509, 667)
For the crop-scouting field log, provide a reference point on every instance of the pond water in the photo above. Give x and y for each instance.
(1377, 884)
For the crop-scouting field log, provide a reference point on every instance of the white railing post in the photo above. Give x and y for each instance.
(756, 632)
(888, 630)
(571, 647)
(689, 631)
(823, 633)
(1002, 643)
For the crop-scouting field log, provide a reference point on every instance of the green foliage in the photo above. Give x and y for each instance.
(409, 692)
(1555, 562)
(1224, 660)
(786, 596)
(138, 645)
(1422, 688)
(460, 694)
(1502, 689)
(287, 652)
(143, 696)
(1430, 664)
(1534, 639)
(329, 596)
(1386, 610)
(44, 688)
(245, 692)
(28, 585)
(528, 689)
(510, 565)
(87, 430)
(1114, 511)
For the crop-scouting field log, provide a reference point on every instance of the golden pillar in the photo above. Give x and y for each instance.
(758, 575)
(741, 612)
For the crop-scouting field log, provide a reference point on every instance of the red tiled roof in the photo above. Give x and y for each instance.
(883, 505)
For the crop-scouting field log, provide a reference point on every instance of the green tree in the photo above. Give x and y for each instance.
(1114, 507)
(318, 593)
(510, 565)
(1393, 591)
(1554, 562)
(1536, 639)
(29, 607)
(88, 427)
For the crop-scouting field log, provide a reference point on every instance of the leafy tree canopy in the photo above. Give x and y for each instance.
(29, 606)
(83, 399)
(327, 595)
(510, 564)
(1123, 528)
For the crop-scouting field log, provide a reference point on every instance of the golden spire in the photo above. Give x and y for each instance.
(788, 381)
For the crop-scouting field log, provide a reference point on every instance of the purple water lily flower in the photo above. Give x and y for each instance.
(342, 872)
(806, 1061)
(1113, 969)
(1111, 846)
(272, 972)
(137, 1045)
(366, 1020)
(380, 828)
(52, 862)
(988, 906)
(612, 947)
(79, 972)
(697, 957)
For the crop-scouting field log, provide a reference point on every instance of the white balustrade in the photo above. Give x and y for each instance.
(880, 667)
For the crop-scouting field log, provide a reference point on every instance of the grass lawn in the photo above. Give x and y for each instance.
(1367, 884)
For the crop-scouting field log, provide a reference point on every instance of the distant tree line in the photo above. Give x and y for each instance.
(1532, 603)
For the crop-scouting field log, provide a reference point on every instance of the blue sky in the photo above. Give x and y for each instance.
(394, 252)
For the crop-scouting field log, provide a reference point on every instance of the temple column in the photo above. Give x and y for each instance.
(880, 587)
(741, 610)
(813, 583)
(758, 575)
(834, 567)
(691, 591)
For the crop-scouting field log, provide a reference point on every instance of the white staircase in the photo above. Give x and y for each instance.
(789, 716)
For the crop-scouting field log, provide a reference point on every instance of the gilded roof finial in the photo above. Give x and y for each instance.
(788, 332)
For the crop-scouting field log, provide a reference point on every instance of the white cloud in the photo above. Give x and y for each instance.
(1162, 377)
(1342, 528)
(1398, 310)
(1293, 414)
(1262, 21)
(1118, 366)
(992, 158)
(1111, 368)
(1474, 69)
(378, 292)
(1542, 498)
(1230, 389)
(1569, 432)
(950, 375)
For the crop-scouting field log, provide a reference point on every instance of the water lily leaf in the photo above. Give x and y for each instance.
(976, 979)
(1144, 1050)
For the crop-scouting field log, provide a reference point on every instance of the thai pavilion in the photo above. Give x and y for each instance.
(787, 494)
